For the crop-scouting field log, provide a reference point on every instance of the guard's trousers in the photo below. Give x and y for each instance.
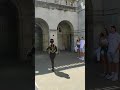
(52, 57)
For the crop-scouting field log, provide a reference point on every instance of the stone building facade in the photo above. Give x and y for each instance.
(61, 20)
(100, 14)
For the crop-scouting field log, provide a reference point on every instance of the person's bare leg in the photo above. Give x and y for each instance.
(104, 65)
(78, 51)
(84, 54)
(80, 54)
(117, 67)
(116, 71)
(109, 67)
(111, 73)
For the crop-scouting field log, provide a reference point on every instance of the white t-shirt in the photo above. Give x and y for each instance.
(113, 40)
(82, 43)
(78, 43)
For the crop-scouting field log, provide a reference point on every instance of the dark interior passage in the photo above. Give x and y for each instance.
(38, 38)
(65, 36)
(14, 74)
(8, 29)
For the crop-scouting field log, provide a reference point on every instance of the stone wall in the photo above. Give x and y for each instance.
(26, 26)
(53, 14)
(54, 17)
(105, 13)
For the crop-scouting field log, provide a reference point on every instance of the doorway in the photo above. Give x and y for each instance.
(65, 36)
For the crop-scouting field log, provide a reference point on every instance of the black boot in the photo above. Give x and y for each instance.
(53, 69)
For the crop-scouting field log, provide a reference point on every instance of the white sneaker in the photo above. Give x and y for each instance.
(110, 77)
(115, 78)
(82, 59)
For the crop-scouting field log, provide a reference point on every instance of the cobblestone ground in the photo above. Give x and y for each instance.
(69, 72)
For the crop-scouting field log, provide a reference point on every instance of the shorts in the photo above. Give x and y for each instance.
(78, 46)
(103, 51)
(113, 57)
(82, 50)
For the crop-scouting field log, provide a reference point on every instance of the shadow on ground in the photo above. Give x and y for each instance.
(93, 79)
(62, 74)
(63, 61)
(16, 75)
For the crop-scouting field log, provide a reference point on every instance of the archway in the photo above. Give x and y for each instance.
(65, 36)
(41, 34)
(8, 29)
(38, 38)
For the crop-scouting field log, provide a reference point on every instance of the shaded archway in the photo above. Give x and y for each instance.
(41, 34)
(8, 29)
(38, 38)
(65, 36)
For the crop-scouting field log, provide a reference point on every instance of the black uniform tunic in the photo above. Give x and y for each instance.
(52, 53)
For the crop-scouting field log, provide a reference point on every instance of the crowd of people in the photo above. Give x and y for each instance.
(108, 53)
(80, 48)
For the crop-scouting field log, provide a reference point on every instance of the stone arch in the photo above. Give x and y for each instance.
(43, 26)
(65, 35)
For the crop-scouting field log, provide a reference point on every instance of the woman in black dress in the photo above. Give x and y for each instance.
(103, 51)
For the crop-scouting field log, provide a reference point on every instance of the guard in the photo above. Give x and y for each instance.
(52, 49)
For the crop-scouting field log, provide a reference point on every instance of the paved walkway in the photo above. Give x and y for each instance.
(12, 71)
(95, 82)
(69, 72)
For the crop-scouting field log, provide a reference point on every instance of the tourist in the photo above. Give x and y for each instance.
(82, 49)
(52, 49)
(113, 54)
(78, 47)
(103, 52)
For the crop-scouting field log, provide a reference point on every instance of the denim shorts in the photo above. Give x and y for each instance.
(78, 46)
(82, 50)
(113, 57)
